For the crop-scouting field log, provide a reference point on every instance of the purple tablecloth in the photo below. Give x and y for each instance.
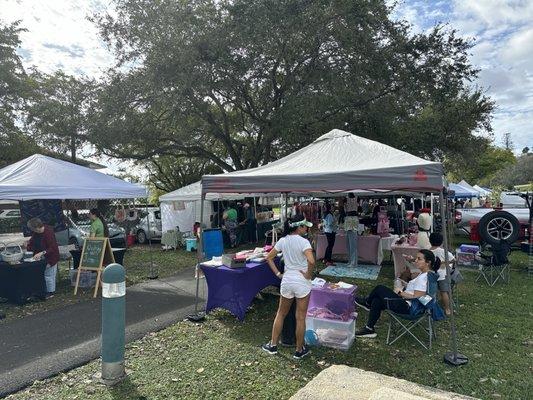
(234, 288)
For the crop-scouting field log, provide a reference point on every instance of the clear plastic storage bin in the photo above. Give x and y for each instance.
(331, 333)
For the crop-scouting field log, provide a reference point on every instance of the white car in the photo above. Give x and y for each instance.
(10, 213)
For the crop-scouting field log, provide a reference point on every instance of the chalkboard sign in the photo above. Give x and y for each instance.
(93, 250)
(95, 254)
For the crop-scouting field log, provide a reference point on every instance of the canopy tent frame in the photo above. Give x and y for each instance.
(40, 177)
(408, 173)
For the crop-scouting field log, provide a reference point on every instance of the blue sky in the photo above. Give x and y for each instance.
(60, 36)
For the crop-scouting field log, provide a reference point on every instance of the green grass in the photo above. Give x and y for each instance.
(221, 358)
(137, 264)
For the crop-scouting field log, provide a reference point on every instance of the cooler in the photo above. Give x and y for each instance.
(213, 244)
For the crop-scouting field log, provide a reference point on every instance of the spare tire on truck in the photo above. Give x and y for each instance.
(497, 225)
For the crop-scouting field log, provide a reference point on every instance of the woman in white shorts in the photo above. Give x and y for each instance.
(295, 281)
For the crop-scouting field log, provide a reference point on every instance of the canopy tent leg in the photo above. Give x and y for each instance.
(152, 274)
(256, 225)
(198, 315)
(451, 357)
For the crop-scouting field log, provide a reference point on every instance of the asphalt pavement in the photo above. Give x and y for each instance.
(42, 345)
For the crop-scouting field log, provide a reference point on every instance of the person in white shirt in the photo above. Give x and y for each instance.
(443, 282)
(295, 281)
(375, 303)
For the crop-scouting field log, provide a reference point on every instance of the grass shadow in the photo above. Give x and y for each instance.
(126, 389)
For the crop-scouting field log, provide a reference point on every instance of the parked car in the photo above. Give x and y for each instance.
(79, 230)
(9, 213)
(149, 227)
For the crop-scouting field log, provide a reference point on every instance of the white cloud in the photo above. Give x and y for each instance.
(59, 35)
(503, 50)
(519, 47)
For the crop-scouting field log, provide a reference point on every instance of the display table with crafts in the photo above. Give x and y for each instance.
(118, 254)
(234, 288)
(400, 263)
(369, 247)
(20, 281)
(387, 242)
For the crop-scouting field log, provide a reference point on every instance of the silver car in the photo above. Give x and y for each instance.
(149, 227)
(79, 230)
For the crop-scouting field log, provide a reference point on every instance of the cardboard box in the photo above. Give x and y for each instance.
(230, 261)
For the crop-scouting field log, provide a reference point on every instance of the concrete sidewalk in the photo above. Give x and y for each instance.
(42, 345)
(347, 383)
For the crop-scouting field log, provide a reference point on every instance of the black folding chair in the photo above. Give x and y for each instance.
(405, 324)
(495, 267)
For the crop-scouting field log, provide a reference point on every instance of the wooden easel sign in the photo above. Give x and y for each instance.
(95, 254)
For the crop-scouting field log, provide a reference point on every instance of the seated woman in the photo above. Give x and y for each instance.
(375, 302)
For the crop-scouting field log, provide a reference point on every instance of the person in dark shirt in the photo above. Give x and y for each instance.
(43, 244)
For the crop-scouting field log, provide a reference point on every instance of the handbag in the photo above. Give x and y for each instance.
(131, 214)
(120, 214)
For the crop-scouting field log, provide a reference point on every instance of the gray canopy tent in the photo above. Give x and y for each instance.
(335, 162)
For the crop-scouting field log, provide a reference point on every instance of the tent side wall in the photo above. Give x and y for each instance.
(185, 218)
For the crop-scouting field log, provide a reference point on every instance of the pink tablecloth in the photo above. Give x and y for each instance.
(369, 247)
(399, 261)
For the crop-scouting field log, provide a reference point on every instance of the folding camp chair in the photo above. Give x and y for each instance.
(402, 324)
(495, 267)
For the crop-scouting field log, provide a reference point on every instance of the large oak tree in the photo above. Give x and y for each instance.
(240, 83)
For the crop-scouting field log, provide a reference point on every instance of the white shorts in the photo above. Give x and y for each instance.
(290, 290)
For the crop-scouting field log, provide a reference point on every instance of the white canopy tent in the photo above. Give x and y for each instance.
(336, 161)
(466, 185)
(483, 192)
(181, 207)
(42, 177)
(340, 161)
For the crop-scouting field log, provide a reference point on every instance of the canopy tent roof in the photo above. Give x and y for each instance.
(465, 184)
(336, 161)
(193, 192)
(461, 191)
(42, 177)
(482, 191)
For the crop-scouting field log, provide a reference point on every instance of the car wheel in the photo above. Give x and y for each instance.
(497, 225)
(141, 237)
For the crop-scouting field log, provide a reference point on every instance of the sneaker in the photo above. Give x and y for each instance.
(49, 295)
(269, 348)
(362, 302)
(298, 355)
(366, 333)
